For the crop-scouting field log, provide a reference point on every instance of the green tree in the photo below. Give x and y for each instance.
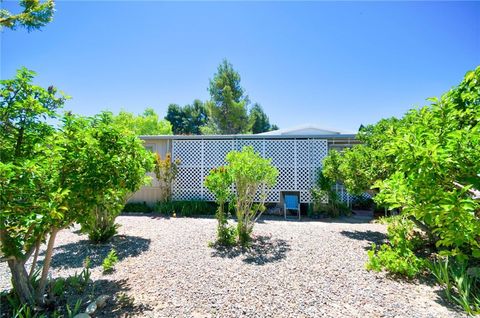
(227, 107)
(427, 165)
(187, 120)
(35, 15)
(147, 123)
(251, 175)
(259, 121)
(51, 178)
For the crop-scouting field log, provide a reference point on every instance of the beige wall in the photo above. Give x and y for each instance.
(151, 194)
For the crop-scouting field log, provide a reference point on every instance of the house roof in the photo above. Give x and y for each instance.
(303, 130)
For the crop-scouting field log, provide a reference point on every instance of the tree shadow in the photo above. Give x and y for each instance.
(369, 236)
(262, 250)
(72, 255)
(119, 304)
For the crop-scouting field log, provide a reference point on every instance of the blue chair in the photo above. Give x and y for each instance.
(291, 202)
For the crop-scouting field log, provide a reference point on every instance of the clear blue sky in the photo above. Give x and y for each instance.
(335, 64)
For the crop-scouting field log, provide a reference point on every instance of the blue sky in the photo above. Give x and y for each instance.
(334, 64)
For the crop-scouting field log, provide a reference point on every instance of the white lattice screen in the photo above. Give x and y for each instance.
(296, 159)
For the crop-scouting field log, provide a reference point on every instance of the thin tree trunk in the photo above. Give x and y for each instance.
(46, 265)
(35, 257)
(21, 283)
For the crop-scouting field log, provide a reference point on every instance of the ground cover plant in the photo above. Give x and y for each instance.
(426, 165)
(52, 177)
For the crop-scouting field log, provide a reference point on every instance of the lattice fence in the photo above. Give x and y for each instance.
(297, 161)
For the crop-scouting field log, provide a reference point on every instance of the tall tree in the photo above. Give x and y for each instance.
(147, 123)
(259, 121)
(227, 107)
(35, 15)
(187, 120)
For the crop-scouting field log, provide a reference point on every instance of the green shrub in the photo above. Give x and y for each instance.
(186, 208)
(109, 262)
(326, 200)
(398, 256)
(219, 182)
(140, 207)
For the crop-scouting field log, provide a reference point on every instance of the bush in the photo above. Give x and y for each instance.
(219, 183)
(362, 203)
(137, 207)
(398, 256)
(186, 208)
(326, 200)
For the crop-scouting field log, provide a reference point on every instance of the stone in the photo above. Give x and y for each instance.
(82, 315)
(101, 301)
(91, 308)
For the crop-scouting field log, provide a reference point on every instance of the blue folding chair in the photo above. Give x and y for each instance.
(291, 202)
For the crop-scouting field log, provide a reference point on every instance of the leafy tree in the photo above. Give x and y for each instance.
(187, 120)
(51, 178)
(30, 197)
(259, 121)
(35, 15)
(227, 107)
(115, 163)
(147, 123)
(427, 165)
(251, 175)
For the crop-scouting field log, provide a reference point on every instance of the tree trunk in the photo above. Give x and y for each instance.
(46, 266)
(21, 283)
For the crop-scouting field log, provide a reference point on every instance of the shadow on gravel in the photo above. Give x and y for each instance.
(369, 236)
(72, 255)
(262, 250)
(119, 304)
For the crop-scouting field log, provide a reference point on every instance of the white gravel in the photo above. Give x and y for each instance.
(294, 269)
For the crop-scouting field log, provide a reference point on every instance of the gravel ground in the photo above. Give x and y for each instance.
(294, 269)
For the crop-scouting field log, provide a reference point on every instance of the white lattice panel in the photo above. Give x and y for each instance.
(256, 144)
(282, 152)
(188, 151)
(215, 152)
(296, 160)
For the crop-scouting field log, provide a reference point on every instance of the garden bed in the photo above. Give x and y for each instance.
(293, 269)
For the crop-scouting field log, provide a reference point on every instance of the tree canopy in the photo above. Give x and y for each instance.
(227, 107)
(35, 14)
(147, 123)
(51, 177)
(187, 120)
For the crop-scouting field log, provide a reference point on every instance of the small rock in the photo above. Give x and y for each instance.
(101, 300)
(82, 315)
(91, 308)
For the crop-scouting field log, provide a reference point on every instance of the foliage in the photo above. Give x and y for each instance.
(227, 107)
(142, 207)
(425, 164)
(110, 261)
(186, 208)
(461, 283)
(166, 171)
(116, 167)
(398, 256)
(325, 198)
(35, 15)
(51, 178)
(251, 175)
(147, 123)
(187, 120)
(259, 121)
(219, 182)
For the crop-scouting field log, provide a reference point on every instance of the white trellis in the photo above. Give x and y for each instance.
(297, 160)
